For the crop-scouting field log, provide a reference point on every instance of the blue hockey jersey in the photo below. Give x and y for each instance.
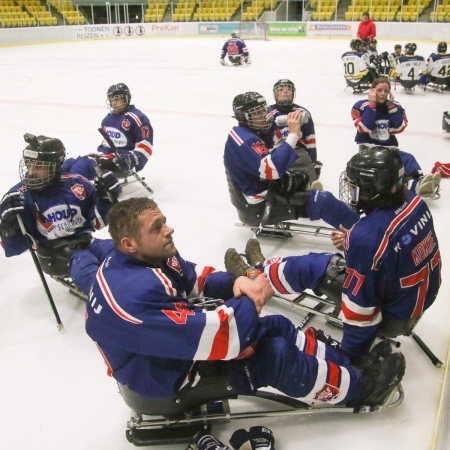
(130, 131)
(67, 208)
(140, 316)
(377, 126)
(393, 270)
(308, 138)
(252, 165)
(234, 47)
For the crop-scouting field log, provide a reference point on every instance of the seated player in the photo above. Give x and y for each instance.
(259, 174)
(59, 210)
(306, 149)
(356, 67)
(146, 293)
(378, 120)
(410, 69)
(438, 66)
(392, 268)
(237, 51)
(129, 129)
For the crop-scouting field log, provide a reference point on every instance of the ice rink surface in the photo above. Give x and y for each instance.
(55, 391)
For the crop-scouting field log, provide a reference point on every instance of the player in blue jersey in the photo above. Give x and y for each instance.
(438, 65)
(410, 69)
(284, 94)
(148, 317)
(129, 129)
(236, 49)
(60, 211)
(378, 120)
(392, 268)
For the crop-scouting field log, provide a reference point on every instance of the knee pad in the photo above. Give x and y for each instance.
(333, 281)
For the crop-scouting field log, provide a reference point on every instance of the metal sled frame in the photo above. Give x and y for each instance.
(285, 230)
(435, 87)
(178, 429)
(73, 290)
(333, 321)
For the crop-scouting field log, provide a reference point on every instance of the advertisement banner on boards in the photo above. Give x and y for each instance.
(287, 29)
(127, 30)
(330, 30)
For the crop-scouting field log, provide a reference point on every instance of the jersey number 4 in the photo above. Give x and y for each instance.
(179, 315)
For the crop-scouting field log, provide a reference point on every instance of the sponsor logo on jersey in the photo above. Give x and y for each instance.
(327, 393)
(79, 191)
(272, 261)
(260, 148)
(117, 137)
(126, 124)
(60, 221)
(174, 264)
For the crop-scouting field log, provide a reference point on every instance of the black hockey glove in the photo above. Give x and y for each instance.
(255, 438)
(205, 441)
(106, 161)
(108, 183)
(318, 168)
(12, 204)
(126, 161)
(290, 182)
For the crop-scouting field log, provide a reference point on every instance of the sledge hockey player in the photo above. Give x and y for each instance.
(410, 69)
(59, 210)
(126, 318)
(356, 67)
(256, 171)
(129, 129)
(284, 94)
(377, 121)
(237, 51)
(438, 66)
(392, 266)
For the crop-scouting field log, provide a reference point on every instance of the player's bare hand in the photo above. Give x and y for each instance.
(372, 95)
(337, 238)
(391, 96)
(293, 121)
(258, 290)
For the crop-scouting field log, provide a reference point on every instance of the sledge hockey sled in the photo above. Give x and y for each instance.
(360, 86)
(158, 421)
(437, 85)
(389, 328)
(264, 221)
(73, 290)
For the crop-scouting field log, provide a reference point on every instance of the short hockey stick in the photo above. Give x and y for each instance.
(114, 149)
(41, 273)
(99, 174)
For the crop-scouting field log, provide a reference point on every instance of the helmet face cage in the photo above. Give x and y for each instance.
(280, 86)
(442, 47)
(373, 44)
(348, 192)
(355, 44)
(251, 110)
(36, 174)
(118, 92)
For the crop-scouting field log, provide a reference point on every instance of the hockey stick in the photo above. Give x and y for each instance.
(114, 149)
(433, 358)
(99, 174)
(59, 325)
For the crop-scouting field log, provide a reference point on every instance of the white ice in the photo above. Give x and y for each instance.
(55, 392)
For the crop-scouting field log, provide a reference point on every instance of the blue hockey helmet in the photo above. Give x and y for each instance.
(41, 162)
(118, 91)
(250, 109)
(372, 174)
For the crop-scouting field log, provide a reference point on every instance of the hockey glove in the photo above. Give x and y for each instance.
(208, 442)
(106, 161)
(126, 161)
(318, 168)
(292, 181)
(222, 61)
(247, 60)
(260, 438)
(108, 183)
(12, 204)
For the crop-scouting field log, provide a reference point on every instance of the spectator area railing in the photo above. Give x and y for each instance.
(30, 13)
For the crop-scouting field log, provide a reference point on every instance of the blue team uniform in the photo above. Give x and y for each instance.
(65, 209)
(375, 126)
(234, 47)
(308, 139)
(130, 131)
(149, 334)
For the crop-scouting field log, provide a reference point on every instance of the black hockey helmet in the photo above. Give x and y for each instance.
(371, 175)
(446, 121)
(250, 109)
(373, 44)
(410, 48)
(42, 161)
(442, 47)
(364, 45)
(282, 84)
(118, 91)
(355, 44)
